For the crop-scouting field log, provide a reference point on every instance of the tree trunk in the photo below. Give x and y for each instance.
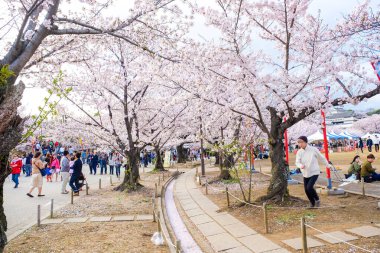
(132, 174)
(159, 166)
(10, 136)
(228, 163)
(182, 154)
(216, 158)
(278, 187)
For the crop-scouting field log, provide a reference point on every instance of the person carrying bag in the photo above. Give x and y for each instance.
(37, 174)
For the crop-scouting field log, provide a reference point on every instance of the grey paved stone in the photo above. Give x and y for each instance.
(76, 220)
(101, 219)
(186, 201)
(224, 241)
(200, 219)
(226, 219)
(210, 228)
(239, 230)
(240, 249)
(365, 231)
(124, 218)
(52, 221)
(194, 212)
(143, 217)
(258, 243)
(190, 206)
(296, 243)
(330, 237)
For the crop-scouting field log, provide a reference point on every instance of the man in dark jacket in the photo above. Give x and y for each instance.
(369, 144)
(94, 163)
(77, 171)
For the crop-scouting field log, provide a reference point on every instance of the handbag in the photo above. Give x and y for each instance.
(43, 172)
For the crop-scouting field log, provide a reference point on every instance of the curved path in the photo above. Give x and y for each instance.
(224, 232)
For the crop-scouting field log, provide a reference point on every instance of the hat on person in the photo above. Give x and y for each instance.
(304, 138)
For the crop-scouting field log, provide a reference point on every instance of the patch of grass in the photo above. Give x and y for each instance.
(310, 215)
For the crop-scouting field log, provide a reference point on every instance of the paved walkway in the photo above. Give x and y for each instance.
(224, 232)
(21, 211)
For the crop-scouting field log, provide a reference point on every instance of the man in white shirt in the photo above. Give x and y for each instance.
(307, 160)
(376, 141)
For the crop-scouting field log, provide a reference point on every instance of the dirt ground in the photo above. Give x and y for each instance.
(284, 220)
(98, 237)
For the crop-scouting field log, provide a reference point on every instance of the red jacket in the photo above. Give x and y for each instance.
(16, 166)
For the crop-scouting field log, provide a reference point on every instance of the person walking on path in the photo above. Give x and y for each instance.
(307, 160)
(361, 144)
(368, 172)
(376, 141)
(369, 144)
(94, 163)
(28, 164)
(55, 167)
(77, 172)
(103, 163)
(16, 165)
(65, 171)
(111, 162)
(118, 162)
(37, 166)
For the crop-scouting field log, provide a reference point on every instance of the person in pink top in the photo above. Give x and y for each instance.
(55, 166)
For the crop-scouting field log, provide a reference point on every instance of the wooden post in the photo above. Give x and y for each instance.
(178, 246)
(265, 210)
(303, 234)
(158, 222)
(206, 187)
(196, 171)
(51, 208)
(100, 183)
(154, 207)
(200, 182)
(72, 197)
(111, 180)
(228, 197)
(363, 188)
(87, 188)
(38, 215)
(159, 179)
(155, 191)
(163, 177)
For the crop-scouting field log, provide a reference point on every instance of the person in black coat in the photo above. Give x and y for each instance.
(361, 144)
(77, 171)
(94, 163)
(369, 144)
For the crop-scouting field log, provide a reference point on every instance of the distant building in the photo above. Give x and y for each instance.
(338, 116)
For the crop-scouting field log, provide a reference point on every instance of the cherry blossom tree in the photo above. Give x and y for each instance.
(282, 79)
(369, 124)
(39, 35)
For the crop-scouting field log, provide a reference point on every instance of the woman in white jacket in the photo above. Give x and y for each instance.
(307, 160)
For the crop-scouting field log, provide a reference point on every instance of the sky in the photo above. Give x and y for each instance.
(331, 11)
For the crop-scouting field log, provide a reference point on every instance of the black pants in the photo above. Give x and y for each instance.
(370, 148)
(309, 183)
(74, 183)
(377, 147)
(111, 169)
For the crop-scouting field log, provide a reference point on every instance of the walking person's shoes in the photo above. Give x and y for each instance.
(65, 192)
(311, 206)
(76, 194)
(30, 195)
(41, 195)
(317, 203)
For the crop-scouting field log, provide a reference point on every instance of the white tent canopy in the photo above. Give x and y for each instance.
(317, 136)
